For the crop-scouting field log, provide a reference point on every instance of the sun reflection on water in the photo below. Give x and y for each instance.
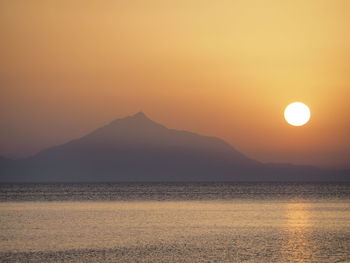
(298, 229)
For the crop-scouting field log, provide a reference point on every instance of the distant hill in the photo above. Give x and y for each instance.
(136, 148)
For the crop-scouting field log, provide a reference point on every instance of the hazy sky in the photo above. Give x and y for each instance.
(221, 68)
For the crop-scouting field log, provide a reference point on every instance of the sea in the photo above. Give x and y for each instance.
(175, 222)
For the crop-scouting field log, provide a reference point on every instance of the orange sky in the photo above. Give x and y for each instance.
(223, 68)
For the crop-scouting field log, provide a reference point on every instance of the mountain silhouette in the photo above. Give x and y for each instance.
(136, 148)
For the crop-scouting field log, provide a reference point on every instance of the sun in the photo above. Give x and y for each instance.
(297, 114)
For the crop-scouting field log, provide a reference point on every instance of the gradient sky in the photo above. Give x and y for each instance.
(223, 68)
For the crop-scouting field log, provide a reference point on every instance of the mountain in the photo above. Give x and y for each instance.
(136, 148)
(3, 160)
(7, 169)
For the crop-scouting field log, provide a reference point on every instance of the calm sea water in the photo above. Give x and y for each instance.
(175, 223)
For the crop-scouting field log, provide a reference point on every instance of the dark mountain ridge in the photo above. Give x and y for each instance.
(136, 148)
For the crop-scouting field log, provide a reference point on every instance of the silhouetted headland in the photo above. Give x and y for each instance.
(137, 149)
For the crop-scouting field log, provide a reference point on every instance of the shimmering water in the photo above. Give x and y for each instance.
(175, 223)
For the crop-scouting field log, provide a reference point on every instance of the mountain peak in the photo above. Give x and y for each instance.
(136, 122)
(140, 115)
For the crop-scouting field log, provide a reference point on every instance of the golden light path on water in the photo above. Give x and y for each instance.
(298, 228)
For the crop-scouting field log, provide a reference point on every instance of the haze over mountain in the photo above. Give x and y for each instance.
(136, 148)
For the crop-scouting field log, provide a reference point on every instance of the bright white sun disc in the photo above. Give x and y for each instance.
(297, 114)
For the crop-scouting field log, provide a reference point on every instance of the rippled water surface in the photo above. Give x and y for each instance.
(175, 223)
